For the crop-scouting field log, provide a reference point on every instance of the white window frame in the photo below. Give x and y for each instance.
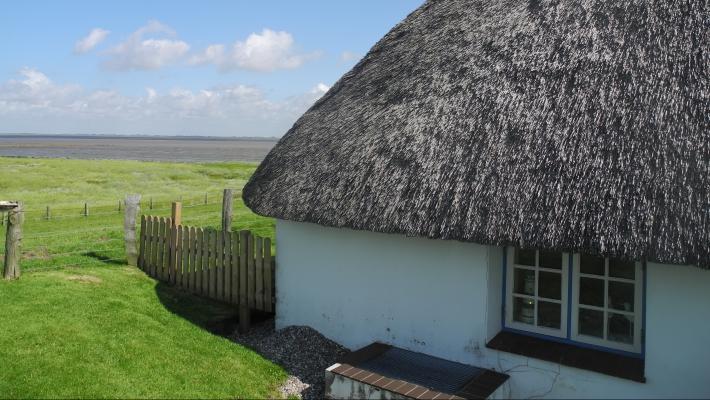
(564, 301)
(636, 347)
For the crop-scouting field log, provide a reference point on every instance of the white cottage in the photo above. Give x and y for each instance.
(522, 186)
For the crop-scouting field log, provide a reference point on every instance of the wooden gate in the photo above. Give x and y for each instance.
(236, 268)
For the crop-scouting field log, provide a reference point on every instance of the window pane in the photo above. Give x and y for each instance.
(622, 269)
(550, 259)
(591, 292)
(591, 264)
(549, 315)
(524, 281)
(525, 257)
(550, 285)
(621, 328)
(621, 296)
(524, 310)
(591, 322)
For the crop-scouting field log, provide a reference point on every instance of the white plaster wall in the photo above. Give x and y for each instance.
(444, 298)
(357, 287)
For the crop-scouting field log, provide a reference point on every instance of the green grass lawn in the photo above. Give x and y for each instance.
(79, 323)
(110, 331)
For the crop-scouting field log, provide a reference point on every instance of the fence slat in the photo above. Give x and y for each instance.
(244, 316)
(166, 249)
(235, 268)
(159, 249)
(219, 261)
(193, 255)
(154, 247)
(198, 261)
(250, 270)
(212, 267)
(258, 275)
(185, 282)
(268, 292)
(177, 267)
(205, 263)
(141, 245)
(227, 266)
(148, 246)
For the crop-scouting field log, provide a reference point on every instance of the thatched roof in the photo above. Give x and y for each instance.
(573, 125)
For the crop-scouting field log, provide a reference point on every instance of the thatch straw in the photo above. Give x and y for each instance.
(571, 125)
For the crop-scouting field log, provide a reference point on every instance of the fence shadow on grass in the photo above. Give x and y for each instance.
(215, 317)
(104, 258)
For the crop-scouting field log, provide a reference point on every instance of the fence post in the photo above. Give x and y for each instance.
(151, 203)
(205, 197)
(129, 227)
(119, 206)
(176, 216)
(49, 214)
(86, 209)
(13, 242)
(227, 210)
(177, 213)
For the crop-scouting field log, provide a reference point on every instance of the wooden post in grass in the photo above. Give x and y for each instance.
(227, 210)
(49, 214)
(13, 239)
(86, 209)
(205, 197)
(129, 227)
(119, 206)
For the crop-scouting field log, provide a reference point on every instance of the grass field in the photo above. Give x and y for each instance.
(81, 324)
(69, 238)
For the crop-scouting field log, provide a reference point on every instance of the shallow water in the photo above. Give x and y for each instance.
(131, 148)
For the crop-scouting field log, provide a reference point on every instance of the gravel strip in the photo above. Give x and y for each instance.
(301, 351)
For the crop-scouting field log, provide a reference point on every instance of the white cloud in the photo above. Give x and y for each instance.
(34, 103)
(348, 56)
(139, 53)
(266, 51)
(86, 44)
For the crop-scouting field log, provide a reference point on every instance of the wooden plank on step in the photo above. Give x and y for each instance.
(259, 275)
(250, 270)
(268, 287)
(235, 269)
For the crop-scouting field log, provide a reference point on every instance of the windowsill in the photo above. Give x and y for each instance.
(616, 365)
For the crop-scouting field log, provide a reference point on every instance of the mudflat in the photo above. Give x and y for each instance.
(184, 149)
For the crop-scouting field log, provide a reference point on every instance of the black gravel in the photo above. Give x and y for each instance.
(301, 351)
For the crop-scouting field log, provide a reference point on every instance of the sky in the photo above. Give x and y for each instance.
(206, 68)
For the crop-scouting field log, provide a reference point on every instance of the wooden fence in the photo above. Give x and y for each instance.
(232, 267)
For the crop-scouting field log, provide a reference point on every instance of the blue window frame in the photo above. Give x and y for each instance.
(574, 298)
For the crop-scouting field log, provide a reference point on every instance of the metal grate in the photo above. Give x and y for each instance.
(431, 372)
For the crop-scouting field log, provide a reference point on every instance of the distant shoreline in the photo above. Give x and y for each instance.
(135, 137)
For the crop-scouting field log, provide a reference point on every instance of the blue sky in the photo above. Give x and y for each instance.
(229, 68)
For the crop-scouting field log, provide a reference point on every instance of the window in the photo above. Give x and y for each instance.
(607, 306)
(605, 303)
(537, 295)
